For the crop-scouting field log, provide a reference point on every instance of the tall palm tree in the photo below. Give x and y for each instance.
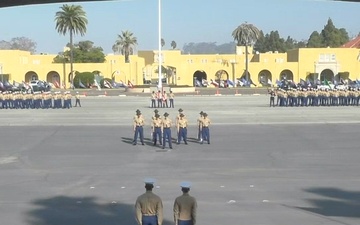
(72, 19)
(246, 34)
(125, 44)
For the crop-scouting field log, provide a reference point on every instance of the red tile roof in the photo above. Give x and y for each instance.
(354, 43)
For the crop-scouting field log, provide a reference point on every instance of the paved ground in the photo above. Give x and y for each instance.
(265, 166)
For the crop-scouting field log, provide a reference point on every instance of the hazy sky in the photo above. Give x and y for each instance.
(183, 21)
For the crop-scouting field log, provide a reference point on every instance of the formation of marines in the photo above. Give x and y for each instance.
(36, 100)
(317, 97)
(161, 128)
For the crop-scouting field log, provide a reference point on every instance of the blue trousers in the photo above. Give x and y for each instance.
(153, 103)
(206, 134)
(167, 136)
(182, 134)
(156, 134)
(171, 103)
(139, 131)
(149, 220)
(185, 222)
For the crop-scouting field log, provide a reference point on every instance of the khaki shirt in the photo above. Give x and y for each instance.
(182, 123)
(185, 208)
(205, 122)
(149, 204)
(171, 95)
(156, 123)
(77, 96)
(166, 123)
(139, 121)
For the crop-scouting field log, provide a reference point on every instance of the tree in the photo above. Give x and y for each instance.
(162, 42)
(315, 40)
(246, 34)
(173, 44)
(72, 19)
(125, 44)
(330, 36)
(19, 43)
(84, 52)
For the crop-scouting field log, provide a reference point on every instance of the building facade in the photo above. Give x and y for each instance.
(180, 69)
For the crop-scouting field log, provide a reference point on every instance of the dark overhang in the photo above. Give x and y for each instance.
(8, 3)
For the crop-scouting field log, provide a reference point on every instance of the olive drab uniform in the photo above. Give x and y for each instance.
(166, 130)
(185, 207)
(182, 129)
(156, 129)
(138, 123)
(205, 123)
(149, 209)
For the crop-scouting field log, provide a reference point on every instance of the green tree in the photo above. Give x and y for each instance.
(84, 52)
(315, 40)
(125, 44)
(173, 44)
(71, 19)
(246, 34)
(330, 36)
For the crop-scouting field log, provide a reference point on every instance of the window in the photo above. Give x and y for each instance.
(327, 58)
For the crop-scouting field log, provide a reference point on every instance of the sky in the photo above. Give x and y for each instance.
(183, 21)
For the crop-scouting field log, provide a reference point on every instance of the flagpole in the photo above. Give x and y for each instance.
(159, 43)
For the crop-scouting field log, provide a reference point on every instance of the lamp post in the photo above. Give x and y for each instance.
(159, 57)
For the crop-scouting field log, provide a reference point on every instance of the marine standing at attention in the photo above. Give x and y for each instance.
(182, 129)
(148, 206)
(166, 130)
(185, 207)
(205, 123)
(139, 122)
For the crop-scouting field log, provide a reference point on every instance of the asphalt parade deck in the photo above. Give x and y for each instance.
(264, 166)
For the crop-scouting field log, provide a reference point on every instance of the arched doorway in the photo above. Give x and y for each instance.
(222, 78)
(54, 78)
(327, 75)
(286, 75)
(265, 78)
(31, 75)
(199, 78)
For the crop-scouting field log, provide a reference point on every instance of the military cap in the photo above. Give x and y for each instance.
(166, 114)
(156, 111)
(137, 110)
(185, 184)
(157, 115)
(149, 180)
(201, 112)
(182, 115)
(180, 110)
(204, 114)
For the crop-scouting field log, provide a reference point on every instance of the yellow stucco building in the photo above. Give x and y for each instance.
(184, 69)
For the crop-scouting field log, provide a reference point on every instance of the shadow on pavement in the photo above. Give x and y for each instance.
(334, 202)
(63, 210)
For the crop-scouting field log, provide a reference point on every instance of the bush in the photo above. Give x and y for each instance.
(86, 78)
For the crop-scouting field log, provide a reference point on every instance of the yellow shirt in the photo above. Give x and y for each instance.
(182, 122)
(166, 123)
(205, 122)
(139, 121)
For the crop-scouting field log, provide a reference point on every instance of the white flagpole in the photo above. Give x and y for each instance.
(160, 57)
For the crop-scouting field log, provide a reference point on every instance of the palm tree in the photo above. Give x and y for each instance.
(72, 19)
(246, 34)
(125, 44)
(173, 44)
